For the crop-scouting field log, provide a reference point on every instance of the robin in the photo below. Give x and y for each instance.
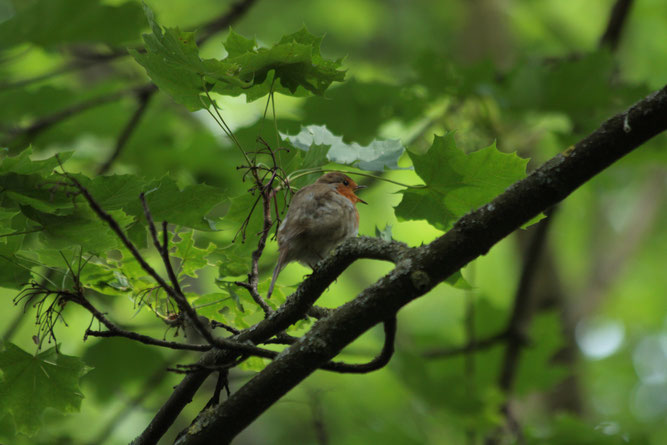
(320, 216)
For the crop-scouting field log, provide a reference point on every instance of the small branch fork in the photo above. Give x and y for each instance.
(267, 194)
(174, 290)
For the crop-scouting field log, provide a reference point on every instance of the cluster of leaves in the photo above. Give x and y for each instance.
(293, 66)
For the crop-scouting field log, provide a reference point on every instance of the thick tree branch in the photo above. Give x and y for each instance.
(419, 270)
(296, 307)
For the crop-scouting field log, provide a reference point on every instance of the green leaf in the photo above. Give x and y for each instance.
(358, 109)
(49, 23)
(32, 383)
(22, 164)
(214, 304)
(172, 62)
(192, 257)
(115, 191)
(35, 191)
(187, 207)
(82, 228)
(377, 156)
(456, 280)
(231, 265)
(294, 66)
(457, 183)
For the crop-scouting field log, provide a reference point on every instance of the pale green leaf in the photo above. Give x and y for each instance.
(32, 383)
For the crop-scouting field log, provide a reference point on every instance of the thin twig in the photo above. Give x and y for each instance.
(222, 343)
(236, 11)
(45, 122)
(116, 331)
(144, 98)
(617, 20)
(477, 345)
(177, 294)
(522, 311)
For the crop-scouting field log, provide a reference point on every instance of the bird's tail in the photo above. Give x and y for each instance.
(276, 271)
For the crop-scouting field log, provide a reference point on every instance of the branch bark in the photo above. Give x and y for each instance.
(418, 270)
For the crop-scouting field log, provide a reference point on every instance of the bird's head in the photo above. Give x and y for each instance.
(344, 185)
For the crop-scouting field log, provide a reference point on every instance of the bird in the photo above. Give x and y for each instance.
(321, 215)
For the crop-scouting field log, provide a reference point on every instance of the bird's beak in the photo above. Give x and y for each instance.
(359, 187)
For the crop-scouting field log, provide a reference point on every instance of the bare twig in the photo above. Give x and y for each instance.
(522, 308)
(144, 98)
(43, 123)
(378, 362)
(237, 10)
(177, 295)
(266, 195)
(522, 311)
(180, 300)
(476, 345)
(617, 19)
(117, 332)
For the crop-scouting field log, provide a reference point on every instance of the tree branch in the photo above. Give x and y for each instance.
(419, 270)
(295, 308)
(522, 308)
(617, 19)
(178, 297)
(378, 362)
(237, 10)
(45, 122)
(522, 311)
(144, 98)
(477, 345)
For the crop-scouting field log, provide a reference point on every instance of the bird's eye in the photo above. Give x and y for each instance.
(346, 182)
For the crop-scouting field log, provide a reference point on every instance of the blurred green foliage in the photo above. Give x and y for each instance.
(519, 76)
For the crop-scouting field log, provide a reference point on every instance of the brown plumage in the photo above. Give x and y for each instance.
(320, 216)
